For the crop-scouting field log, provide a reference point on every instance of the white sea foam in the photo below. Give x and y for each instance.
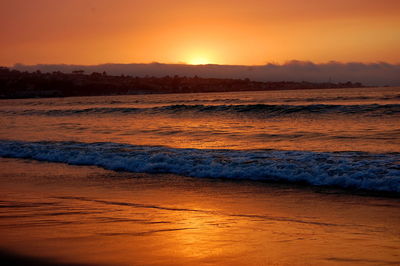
(355, 170)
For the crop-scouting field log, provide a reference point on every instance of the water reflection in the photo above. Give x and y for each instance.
(211, 121)
(88, 215)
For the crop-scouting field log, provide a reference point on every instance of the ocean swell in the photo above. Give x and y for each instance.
(257, 110)
(354, 170)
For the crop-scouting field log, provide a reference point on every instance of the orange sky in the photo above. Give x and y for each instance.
(250, 32)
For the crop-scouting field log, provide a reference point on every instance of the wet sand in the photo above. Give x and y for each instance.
(57, 213)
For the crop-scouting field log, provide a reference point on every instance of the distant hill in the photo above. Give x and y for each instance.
(373, 74)
(17, 84)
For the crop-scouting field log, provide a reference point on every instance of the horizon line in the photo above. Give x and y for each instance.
(289, 62)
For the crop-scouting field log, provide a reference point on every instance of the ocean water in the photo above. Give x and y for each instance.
(346, 138)
(202, 179)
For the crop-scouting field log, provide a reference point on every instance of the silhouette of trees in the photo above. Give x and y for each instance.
(16, 84)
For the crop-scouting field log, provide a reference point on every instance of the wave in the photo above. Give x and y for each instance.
(355, 170)
(260, 110)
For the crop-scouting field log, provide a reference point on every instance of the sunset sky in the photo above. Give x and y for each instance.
(251, 32)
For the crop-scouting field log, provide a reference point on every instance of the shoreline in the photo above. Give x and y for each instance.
(320, 170)
(16, 84)
(321, 189)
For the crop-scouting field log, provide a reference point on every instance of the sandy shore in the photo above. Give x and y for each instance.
(87, 215)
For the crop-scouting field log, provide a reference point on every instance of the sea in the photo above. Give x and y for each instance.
(285, 177)
(347, 138)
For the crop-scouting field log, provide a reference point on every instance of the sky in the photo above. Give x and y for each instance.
(234, 32)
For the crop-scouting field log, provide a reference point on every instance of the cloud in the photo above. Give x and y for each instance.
(374, 74)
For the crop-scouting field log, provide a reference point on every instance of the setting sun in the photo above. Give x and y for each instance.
(187, 132)
(199, 61)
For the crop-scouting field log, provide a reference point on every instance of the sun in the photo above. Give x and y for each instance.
(199, 60)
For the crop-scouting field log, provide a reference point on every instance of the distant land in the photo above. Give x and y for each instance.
(369, 74)
(17, 84)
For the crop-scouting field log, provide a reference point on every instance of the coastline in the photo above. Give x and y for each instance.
(19, 85)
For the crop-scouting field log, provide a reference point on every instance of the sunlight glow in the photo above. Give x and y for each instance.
(199, 61)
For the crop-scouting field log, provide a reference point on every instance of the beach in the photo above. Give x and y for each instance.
(199, 133)
(87, 215)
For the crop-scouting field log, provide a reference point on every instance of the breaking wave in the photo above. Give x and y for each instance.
(252, 109)
(354, 170)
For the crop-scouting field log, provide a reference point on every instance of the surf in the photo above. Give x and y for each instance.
(349, 170)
